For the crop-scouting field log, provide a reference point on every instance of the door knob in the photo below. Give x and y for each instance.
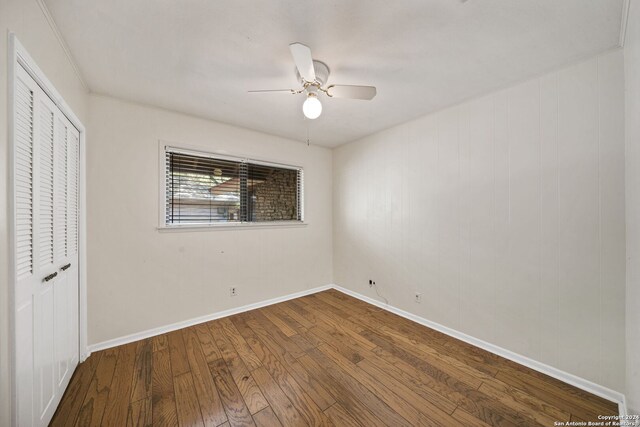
(65, 267)
(51, 276)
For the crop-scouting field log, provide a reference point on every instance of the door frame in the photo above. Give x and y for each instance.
(19, 57)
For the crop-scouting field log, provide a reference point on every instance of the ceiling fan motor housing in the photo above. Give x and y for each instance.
(322, 73)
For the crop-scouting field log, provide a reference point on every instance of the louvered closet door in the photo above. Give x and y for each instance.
(65, 288)
(66, 240)
(46, 194)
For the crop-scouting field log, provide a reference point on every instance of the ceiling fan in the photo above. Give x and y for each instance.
(313, 76)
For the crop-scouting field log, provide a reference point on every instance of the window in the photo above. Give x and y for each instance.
(205, 188)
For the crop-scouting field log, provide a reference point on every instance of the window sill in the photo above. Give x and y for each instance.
(232, 226)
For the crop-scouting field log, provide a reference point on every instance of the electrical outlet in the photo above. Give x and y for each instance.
(233, 291)
(418, 298)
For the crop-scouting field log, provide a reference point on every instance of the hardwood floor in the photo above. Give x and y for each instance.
(323, 359)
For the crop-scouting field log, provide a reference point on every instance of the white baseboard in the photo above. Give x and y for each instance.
(186, 323)
(563, 376)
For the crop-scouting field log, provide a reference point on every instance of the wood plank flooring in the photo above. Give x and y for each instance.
(324, 359)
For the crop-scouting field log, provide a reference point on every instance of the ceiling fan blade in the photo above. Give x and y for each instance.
(272, 90)
(352, 92)
(303, 60)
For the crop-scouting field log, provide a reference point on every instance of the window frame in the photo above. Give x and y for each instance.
(164, 146)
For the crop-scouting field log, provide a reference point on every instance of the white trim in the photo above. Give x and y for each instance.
(162, 183)
(62, 42)
(82, 247)
(23, 58)
(11, 125)
(231, 226)
(186, 323)
(164, 146)
(563, 376)
(18, 56)
(623, 22)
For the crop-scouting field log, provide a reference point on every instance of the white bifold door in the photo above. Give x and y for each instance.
(46, 181)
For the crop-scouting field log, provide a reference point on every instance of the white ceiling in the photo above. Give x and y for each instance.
(201, 56)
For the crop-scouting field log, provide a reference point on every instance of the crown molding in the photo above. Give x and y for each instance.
(63, 43)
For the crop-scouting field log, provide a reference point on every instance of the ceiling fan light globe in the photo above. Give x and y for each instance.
(312, 107)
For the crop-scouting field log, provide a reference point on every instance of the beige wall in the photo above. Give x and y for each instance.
(28, 22)
(632, 76)
(506, 213)
(140, 278)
